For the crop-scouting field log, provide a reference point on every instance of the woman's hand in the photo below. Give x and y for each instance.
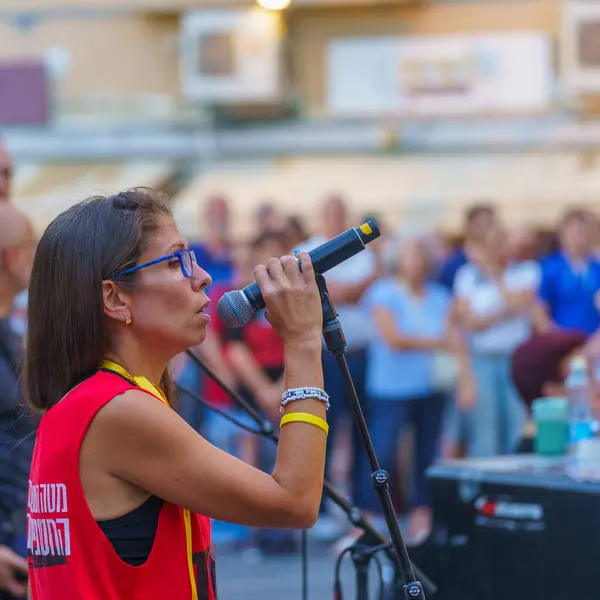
(292, 299)
(12, 565)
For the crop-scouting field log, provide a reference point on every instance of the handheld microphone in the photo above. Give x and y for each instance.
(236, 309)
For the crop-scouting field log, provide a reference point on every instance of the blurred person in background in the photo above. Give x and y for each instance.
(218, 430)
(412, 317)
(570, 287)
(269, 219)
(540, 366)
(212, 353)
(496, 305)
(346, 284)
(214, 253)
(523, 242)
(440, 249)
(594, 220)
(6, 172)
(255, 354)
(477, 220)
(18, 316)
(294, 233)
(17, 246)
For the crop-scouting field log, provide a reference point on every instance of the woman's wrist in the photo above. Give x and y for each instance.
(303, 364)
(306, 345)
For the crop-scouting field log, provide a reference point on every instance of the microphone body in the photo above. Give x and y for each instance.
(236, 308)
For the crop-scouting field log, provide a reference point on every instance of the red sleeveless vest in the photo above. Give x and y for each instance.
(69, 556)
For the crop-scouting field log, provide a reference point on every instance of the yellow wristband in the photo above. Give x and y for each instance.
(299, 417)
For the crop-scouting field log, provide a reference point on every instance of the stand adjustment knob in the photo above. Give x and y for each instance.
(414, 590)
(380, 478)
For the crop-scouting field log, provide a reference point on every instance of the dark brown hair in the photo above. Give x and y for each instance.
(67, 335)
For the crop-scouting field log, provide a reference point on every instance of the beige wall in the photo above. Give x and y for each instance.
(129, 54)
(311, 30)
(418, 190)
(169, 5)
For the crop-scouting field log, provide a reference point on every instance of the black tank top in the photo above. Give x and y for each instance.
(132, 535)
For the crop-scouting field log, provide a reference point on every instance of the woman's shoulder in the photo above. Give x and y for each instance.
(81, 405)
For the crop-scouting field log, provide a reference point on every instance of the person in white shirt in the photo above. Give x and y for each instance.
(496, 304)
(346, 284)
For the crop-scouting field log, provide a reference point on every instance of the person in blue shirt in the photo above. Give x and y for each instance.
(213, 253)
(570, 286)
(411, 316)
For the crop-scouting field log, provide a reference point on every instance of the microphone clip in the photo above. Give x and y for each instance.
(333, 334)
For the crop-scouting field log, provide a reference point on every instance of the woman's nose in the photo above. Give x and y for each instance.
(200, 278)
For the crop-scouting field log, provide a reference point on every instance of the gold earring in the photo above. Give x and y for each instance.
(128, 321)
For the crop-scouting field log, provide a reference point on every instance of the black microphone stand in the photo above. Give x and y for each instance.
(361, 553)
(372, 538)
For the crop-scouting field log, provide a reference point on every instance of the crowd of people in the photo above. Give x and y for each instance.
(446, 344)
(432, 333)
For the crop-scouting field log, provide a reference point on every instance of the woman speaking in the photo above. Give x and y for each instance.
(121, 488)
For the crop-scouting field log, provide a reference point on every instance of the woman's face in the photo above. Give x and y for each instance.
(413, 261)
(168, 310)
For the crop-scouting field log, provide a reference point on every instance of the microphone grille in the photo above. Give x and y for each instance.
(234, 310)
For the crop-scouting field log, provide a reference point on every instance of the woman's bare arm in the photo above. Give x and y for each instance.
(147, 444)
(386, 326)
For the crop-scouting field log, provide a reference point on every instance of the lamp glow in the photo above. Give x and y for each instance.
(274, 4)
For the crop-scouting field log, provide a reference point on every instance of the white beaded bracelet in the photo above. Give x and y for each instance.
(294, 394)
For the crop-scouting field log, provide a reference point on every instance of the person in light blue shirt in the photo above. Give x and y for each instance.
(411, 316)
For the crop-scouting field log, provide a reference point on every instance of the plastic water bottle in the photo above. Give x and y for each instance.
(582, 425)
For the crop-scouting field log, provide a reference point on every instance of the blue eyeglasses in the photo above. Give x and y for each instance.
(186, 259)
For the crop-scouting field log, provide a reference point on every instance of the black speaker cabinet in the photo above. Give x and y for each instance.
(513, 528)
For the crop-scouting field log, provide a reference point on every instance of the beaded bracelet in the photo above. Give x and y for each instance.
(294, 394)
(305, 418)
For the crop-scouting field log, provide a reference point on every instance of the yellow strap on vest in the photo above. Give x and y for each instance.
(187, 520)
(143, 383)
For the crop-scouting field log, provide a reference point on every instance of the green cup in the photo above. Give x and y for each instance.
(552, 426)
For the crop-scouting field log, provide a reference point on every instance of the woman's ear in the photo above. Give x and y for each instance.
(116, 302)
